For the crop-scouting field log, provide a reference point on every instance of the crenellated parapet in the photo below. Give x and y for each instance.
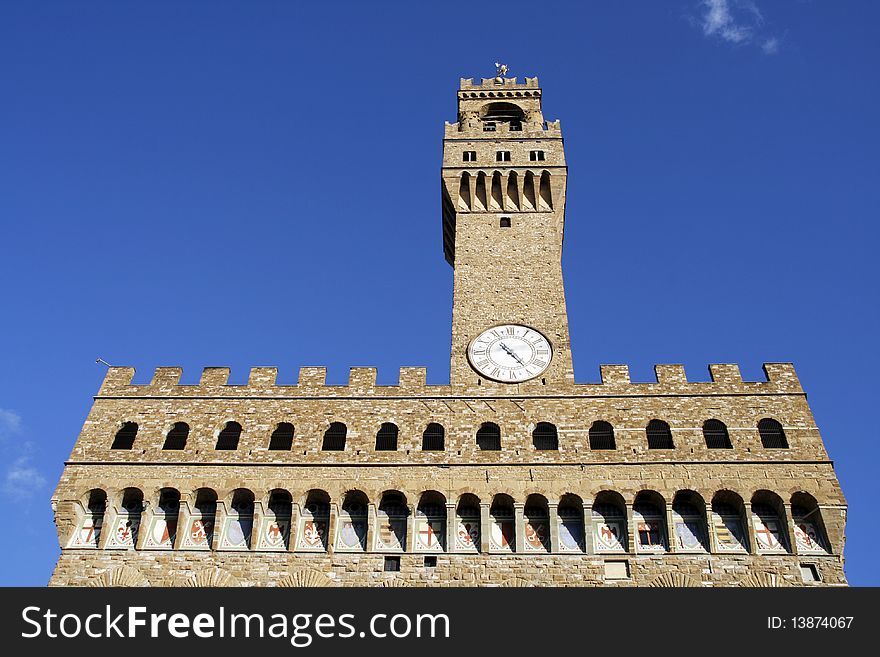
(726, 379)
(494, 84)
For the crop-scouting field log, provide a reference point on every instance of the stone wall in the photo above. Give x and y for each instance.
(80, 568)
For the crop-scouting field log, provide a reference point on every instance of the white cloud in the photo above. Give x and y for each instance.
(770, 46)
(22, 479)
(738, 22)
(10, 423)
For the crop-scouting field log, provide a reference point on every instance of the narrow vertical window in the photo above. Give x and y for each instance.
(469, 156)
(282, 437)
(536, 156)
(386, 438)
(489, 437)
(545, 437)
(177, 436)
(602, 436)
(124, 438)
(659, 435)
(229, 436)
(502, 156)
(772, 435)
(334, 438)
(715, 433)
(433, 439)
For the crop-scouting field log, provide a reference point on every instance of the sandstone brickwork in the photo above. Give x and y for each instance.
(664, 483)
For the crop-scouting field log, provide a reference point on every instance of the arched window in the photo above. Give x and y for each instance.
(536, 516)
(434, 438)
(772, 435)
(391, 522)
(489, 437)
(163, 525)
(771, 534)
(609, 523)
(313, 522)
(431, 523)
(177, 436)
(728, 517)
(88, 531)
(602, 435)
(689, 522)
(386, 437)
(229, 435)
(199, 532)
(809, 529)
(282, 437)
(659, 435)
(502, 112)
(128, 521)
(124, 438)
(467, 535)
(571, 524)
(502, 530)
(351, 535)
(239, 523)
(334, 438)
(274, 532)
(715, 433)
(544, 437)
(648, 511)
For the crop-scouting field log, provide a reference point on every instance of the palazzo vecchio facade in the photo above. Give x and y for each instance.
(511, 475)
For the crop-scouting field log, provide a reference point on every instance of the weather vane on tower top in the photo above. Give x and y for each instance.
(500, 71)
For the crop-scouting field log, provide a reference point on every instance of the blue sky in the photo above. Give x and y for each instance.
(232, 183)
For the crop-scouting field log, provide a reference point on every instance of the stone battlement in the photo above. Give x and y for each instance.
(670, 380)
(485, 83)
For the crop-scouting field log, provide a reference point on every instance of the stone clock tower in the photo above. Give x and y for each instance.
(511, 475)
(504, 178)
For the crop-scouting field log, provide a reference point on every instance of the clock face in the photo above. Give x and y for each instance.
(510, 353)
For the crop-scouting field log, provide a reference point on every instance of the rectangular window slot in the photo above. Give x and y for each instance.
(810, 573)
(617, 570)
(392, 564)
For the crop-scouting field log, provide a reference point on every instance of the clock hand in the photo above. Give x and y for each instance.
(511, 354)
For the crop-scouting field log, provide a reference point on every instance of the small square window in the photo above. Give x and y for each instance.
(430, 562)
(505, 222)
(392, 564)
(536, 156)
(617, 570)
(502, 156)
(469, 156)
(809, 572)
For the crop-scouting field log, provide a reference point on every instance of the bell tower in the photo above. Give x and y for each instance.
(504, 179)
